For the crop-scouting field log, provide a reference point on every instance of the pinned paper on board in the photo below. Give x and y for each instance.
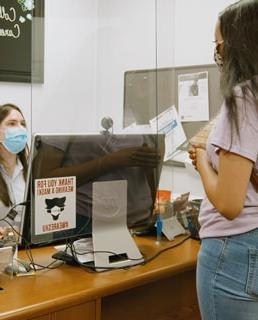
(55, 204)
(193, 97)
(168, 122)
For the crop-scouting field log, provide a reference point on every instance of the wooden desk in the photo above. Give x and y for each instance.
(162, 289)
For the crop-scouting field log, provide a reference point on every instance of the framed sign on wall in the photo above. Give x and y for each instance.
(22, 40)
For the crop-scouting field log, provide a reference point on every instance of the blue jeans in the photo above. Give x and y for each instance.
(227, 277)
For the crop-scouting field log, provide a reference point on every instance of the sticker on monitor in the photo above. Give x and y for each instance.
(55, 204)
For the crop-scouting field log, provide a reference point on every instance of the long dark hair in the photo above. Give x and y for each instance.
(239, 29)
(5, 109)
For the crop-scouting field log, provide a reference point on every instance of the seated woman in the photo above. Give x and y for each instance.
(13, 165)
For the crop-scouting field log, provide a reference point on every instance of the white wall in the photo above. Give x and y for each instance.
(89, 44)
(127, 40)
(66, 100)
(19, 94)
(194, 30)
(165, 33)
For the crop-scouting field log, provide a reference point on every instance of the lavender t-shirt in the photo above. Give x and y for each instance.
(213, 224)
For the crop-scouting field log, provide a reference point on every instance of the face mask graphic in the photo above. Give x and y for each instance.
(218, 59)
(55, 206)
(15, 139)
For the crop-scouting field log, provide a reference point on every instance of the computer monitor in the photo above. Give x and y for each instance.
(58, 160)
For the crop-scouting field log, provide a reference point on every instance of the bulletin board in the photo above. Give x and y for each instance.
(149, 92)
(22, 40)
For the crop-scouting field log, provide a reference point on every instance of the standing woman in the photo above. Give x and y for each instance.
(13, 163)
(227, 269)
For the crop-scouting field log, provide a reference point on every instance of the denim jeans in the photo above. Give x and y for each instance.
(227, 277)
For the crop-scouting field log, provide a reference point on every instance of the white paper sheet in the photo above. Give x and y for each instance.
(172, 228)
(168, 122)
(193, 97)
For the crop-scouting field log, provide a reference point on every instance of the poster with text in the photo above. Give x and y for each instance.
(55, 204)
(193, 97)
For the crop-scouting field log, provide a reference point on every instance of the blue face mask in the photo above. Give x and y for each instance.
(15, 139)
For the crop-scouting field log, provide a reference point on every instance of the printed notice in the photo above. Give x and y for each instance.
(168, 122)
(193, 97)
(55, 204)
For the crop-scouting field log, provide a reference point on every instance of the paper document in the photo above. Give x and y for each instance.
(172, 228)
(168, 122)
(193, 97)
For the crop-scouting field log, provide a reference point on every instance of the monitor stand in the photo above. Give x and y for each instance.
(113, 244)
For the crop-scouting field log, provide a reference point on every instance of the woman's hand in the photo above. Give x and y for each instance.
(198, 155)
(136, 157)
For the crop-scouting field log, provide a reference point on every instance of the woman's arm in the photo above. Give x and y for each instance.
(226, 189)
(48, 163)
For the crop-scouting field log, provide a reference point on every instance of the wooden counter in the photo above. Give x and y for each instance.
(162, 289)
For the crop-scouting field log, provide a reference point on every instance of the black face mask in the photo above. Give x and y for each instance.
(218, 58)
(51, 203)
